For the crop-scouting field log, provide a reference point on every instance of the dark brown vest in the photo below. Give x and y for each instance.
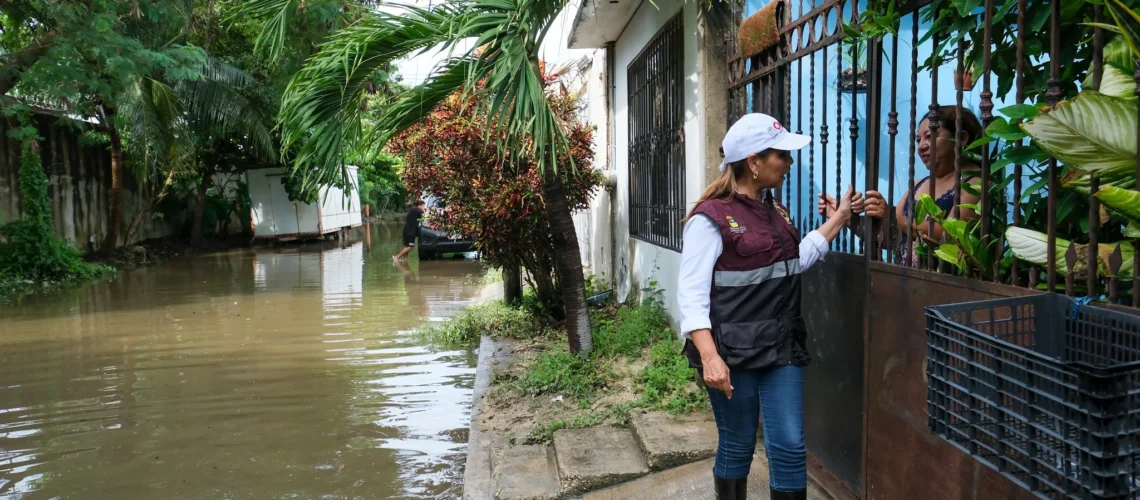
(755, 296)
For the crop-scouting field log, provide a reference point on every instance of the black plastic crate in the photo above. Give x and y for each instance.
(1043, 390)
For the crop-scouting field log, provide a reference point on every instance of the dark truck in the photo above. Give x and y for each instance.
(435, 243)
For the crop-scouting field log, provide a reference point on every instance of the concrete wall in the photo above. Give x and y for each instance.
(79, 177)
(635, 264)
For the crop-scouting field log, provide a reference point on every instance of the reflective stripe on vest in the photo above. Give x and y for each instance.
(757, 276)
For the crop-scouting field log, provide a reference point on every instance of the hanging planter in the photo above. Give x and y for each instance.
(853, 80)
(965, 81)
(761, 31)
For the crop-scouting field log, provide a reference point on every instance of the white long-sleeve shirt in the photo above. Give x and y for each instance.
(701, 248)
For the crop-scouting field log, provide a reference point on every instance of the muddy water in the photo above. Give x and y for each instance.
(286, 372)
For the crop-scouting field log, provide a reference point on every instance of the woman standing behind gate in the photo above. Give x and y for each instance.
(739, 290)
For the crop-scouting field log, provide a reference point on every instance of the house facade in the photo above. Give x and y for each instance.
(659, 117)
(667, 77)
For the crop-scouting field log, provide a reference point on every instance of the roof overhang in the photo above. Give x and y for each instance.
(598, 22)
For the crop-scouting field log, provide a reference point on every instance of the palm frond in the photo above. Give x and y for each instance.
(152, 110)
(321, 113)
(277, 15)
(222, 101)
(413, 104)
(515, 88)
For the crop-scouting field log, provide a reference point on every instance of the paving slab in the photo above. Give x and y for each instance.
(693, 482)
(670, 441)
(526, 472)
(597, 457)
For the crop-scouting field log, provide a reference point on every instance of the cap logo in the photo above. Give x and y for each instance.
(776, 125)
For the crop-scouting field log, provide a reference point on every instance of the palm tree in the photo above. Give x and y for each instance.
(168, 124)
(494, 50)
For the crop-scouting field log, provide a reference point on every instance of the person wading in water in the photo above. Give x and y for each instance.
(411, 230)
(739, 291)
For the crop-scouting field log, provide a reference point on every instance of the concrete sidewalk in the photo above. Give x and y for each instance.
(692, 482)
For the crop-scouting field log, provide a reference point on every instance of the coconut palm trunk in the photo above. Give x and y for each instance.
(567, 264)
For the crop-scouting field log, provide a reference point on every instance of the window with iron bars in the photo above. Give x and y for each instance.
(656, 142)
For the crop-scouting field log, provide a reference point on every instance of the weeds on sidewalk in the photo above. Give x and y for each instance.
(636, 364)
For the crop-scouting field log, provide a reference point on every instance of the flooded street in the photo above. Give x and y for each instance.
(276, 372)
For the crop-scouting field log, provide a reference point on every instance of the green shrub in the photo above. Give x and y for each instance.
(493, 318)
(668, 381)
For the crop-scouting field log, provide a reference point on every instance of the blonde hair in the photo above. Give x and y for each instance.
(723, 187)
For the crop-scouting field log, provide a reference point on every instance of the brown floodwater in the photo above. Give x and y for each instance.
(277, 372)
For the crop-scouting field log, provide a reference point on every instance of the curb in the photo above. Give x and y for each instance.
(477, 481)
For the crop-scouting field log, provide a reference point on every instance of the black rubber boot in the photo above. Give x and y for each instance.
(742, 489)
(725, 488)
(789, 495)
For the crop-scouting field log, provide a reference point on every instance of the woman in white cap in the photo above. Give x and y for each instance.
(739, 290)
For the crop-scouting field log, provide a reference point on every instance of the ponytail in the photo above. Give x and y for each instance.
(723, 187)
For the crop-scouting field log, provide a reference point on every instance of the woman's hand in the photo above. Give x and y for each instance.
(847, 204)
(826, 206)
(876, 206)
(716, 374)
(852, 203)
(715, 371)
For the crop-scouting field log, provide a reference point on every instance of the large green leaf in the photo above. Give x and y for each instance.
(1032, 246)
(1114, 82)
(1119, 54)
(1125, 201)
(1093, 132)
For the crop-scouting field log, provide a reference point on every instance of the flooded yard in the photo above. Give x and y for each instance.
(276, 372)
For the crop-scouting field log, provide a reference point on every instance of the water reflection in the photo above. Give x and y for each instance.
(285, 372)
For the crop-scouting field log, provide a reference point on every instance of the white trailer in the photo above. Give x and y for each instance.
(274, 216)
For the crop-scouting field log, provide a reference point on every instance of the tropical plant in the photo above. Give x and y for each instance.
(380, 182)
(494, 202)
(321, 111)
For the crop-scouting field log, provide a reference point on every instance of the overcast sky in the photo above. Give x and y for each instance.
(554, 51)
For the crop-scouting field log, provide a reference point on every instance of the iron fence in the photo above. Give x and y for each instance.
(656, 141)
(1013, 208)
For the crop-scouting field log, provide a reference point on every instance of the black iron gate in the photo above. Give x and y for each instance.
(854, 76)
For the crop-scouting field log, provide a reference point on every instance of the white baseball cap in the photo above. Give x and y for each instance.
(755, 133)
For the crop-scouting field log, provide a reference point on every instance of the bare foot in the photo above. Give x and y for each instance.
(395, 259)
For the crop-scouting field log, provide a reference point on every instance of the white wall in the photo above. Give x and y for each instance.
(594, 232)
(640, 263)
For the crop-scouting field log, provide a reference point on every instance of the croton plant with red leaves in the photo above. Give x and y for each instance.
(493, 192)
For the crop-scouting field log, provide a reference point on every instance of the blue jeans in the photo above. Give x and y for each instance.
(779, 393)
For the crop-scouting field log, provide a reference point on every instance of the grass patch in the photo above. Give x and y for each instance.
(492, 276)
(622, 335)
(627, 331)
(615, 415)
(493, 318)
(636, 363)
(668, 382)
(558, 372)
